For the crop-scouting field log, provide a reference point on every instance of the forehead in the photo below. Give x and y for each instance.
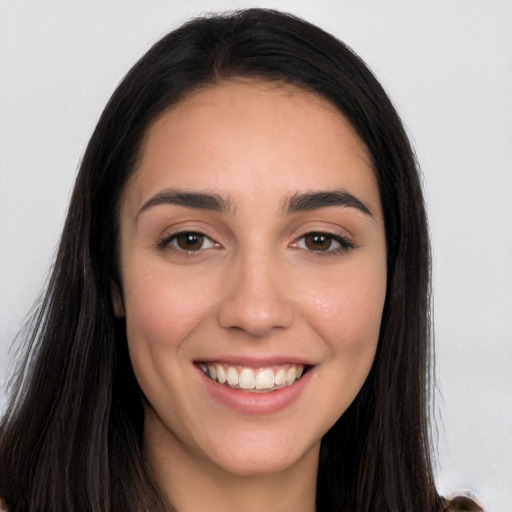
(247, 135)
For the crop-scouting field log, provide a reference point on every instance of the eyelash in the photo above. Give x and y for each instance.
(167, 240)
(344, 244)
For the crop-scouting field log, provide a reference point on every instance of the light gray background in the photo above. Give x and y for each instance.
(447, 66)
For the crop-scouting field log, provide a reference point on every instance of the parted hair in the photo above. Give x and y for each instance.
(71, 437)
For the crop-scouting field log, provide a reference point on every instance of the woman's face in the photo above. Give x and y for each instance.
(253, 266)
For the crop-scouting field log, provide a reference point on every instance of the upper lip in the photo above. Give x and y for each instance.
(256, 362)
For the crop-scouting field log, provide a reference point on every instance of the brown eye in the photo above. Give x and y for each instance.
(318, 242)
(190, 241)
(324, 243)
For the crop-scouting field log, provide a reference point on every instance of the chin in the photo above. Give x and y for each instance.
(263, 456)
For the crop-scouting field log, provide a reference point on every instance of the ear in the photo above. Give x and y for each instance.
(117, 300)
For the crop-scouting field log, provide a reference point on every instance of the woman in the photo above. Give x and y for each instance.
(240, 301)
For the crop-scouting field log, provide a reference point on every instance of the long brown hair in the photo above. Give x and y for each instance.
(70, 439)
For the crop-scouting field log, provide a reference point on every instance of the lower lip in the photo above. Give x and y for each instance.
(257, 403)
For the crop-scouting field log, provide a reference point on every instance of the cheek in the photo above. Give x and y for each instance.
(347, 307)
(163, 307)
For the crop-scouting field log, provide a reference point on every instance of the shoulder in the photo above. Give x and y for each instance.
(463, 504)
(3, 506)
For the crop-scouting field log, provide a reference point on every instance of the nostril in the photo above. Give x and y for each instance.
(256, 317)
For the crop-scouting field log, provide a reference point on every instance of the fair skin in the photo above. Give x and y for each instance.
(252, 244)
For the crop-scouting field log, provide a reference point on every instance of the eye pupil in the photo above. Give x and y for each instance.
(318, 242)
(190, 241)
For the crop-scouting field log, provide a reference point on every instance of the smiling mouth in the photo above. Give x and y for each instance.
(253, 380)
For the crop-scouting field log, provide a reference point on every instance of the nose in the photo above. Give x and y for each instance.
(257, 298)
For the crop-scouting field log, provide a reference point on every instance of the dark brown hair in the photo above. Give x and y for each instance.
(71, 436)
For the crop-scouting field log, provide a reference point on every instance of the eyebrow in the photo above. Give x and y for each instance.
(322, 199)
(298, 202)
(199, 200)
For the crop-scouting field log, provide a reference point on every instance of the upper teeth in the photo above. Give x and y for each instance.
(250, 379)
